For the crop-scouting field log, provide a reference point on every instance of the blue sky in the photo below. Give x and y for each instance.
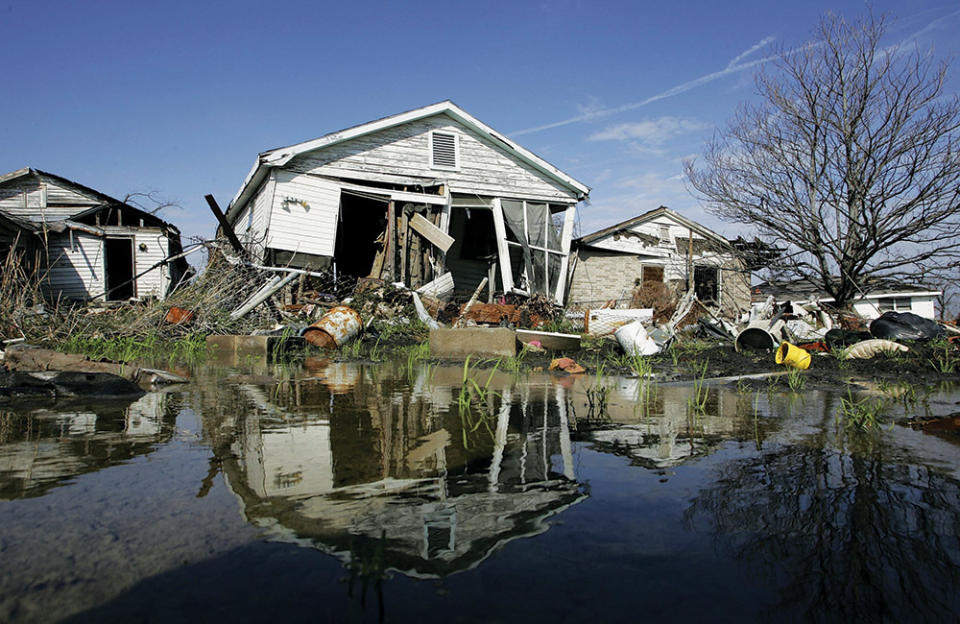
(179, 98)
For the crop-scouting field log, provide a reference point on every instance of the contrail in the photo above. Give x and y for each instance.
(763, 42)
(731, 68)
(929, 27)
(681, 88)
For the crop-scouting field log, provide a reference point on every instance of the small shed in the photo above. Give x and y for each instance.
(86, 245)
(429, 194)
(660, 246)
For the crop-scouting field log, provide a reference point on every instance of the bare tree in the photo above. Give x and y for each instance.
(849, 162)
(150, 202)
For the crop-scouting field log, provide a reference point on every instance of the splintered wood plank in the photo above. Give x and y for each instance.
(432, 233)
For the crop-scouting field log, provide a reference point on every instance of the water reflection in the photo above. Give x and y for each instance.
(656, 427)
(43, 447)
(357, 453)
(843, 524)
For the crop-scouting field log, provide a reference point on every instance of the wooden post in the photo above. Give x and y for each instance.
(491, 278)
(235, 243)
(690, 262)
(225, 226)
(404, 247)
(391, 242)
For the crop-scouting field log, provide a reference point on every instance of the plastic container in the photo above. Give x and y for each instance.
(635, 341)
(793, 356)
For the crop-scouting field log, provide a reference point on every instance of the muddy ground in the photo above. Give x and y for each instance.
(690, 359)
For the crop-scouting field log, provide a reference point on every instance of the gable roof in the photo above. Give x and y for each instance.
(64, 212)
(662, 211)
(281, 156)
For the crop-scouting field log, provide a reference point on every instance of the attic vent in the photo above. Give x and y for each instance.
(444, 150)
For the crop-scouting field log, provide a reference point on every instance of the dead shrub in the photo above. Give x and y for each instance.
(658, 296)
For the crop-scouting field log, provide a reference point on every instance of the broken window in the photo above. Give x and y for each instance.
(535, 232)
(651, 273)
(895, 304)
(706, 283)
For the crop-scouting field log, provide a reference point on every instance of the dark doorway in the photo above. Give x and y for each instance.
(361, 233)
(119, 266)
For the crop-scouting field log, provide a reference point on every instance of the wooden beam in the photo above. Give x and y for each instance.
(391, 242)
(226, 227)
(503, 250)
(566, 235)
(440, 239)
(404, 246)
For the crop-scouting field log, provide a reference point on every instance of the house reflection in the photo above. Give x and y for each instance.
(43, 447)
(395, 458)
(656, 426)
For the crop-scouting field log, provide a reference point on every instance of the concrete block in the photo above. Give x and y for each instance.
(230, 349)
(461, 342)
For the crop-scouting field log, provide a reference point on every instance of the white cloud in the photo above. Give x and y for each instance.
(651, 131)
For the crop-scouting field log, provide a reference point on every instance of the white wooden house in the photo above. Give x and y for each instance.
(84, 244)
(658, 246)
(385, 198)
(879, 296)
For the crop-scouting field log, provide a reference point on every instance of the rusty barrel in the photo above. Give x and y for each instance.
(336, 328)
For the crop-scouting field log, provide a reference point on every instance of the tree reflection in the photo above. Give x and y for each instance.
(844, 527)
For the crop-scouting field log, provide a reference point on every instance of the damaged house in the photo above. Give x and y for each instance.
(431, 197)
(663, 247)
(86, 245)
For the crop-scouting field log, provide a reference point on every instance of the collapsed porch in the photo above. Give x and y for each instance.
(436, 239)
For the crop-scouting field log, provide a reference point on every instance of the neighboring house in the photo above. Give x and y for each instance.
(881, 297)
(385, 198)
(84, 244)
(658, 246)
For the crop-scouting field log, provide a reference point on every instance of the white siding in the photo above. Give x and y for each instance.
(251, 223)
(921, 305)
(76, 266)
(156, 281)
(45, 199)
(304, 214)
(484, 167)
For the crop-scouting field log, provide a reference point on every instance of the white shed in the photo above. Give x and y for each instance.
(86, 245)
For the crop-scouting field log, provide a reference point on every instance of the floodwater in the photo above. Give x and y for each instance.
(348, 492)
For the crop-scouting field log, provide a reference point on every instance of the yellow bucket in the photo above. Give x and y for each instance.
(791, 355)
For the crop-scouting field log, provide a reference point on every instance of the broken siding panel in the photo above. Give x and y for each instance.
(76, 266)
(251, 223)
(262, 202)
(485, 168)
(155, 282)
(303, 217)
(61, 194)
(647, 238)
(39, 200)
(243, 224)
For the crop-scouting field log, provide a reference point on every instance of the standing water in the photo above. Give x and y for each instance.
(341, 492)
